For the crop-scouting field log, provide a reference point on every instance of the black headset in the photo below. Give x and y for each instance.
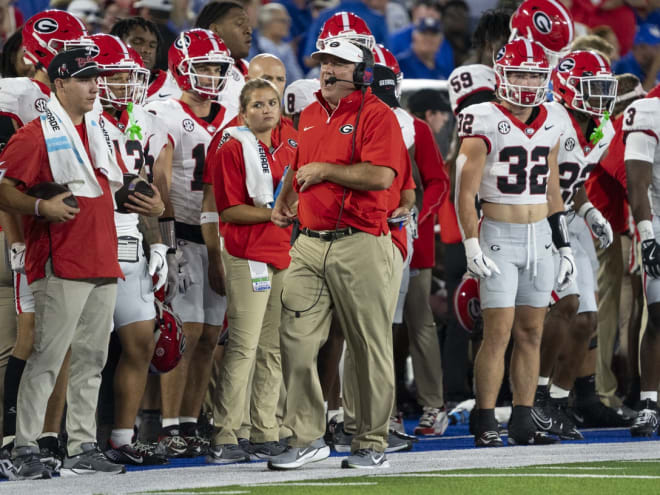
(363, 75)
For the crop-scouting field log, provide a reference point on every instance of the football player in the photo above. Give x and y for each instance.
(508, 156)
(641, 126)
(136, 137)
(143, 36)
(200, 63)
(22, 100)
(230, 21)
(585, 91)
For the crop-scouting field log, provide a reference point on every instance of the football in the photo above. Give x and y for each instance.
(48, 190)
(132, 184)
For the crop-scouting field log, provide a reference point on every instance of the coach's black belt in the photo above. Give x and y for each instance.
(330, 235)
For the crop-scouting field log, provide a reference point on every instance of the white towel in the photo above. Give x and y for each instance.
(68, 160)
(258, 178)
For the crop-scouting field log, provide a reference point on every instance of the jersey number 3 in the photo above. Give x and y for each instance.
(517, 158)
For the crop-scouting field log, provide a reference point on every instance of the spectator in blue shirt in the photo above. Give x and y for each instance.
(273, 23)
(430, 56)
(374, 20)
(644, 58)
(400, 40)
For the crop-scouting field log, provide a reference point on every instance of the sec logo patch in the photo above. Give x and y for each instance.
(504, 127)
(40, 105)
(188, 125)
(569, 144)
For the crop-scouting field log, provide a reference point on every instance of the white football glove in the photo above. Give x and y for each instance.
(18, 257)
(598, 224)
(567, 268)
(478, 264)
(172, 275)
(158, 264)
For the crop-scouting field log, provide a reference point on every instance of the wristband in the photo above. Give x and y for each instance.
(584, 209)
(166, 226)
(36, 207)
(645, 229)
(209, 217)
(559, 229)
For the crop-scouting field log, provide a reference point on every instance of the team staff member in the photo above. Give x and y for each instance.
(71, 261)
(342, 262)
(255, 256)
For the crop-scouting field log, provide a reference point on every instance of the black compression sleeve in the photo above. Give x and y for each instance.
(559, 229)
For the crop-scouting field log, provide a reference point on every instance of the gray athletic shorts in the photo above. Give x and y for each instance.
(652, 285)
(523, 253)
(586, 263)
(135, 296)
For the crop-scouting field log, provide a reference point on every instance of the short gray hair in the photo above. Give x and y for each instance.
(266, 12)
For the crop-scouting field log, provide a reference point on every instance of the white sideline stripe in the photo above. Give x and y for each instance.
(581, 468)
(521, 475)
(230, 492)
(356, 483)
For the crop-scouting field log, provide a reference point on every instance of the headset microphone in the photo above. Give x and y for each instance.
(333, 79)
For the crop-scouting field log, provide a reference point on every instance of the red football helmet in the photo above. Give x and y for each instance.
(466, 303)
(583, 81)
(124, 79)
(522, 73)
(348, 26)
(194, 48)
(547, 22)
(49, 32)
(170, 340)
(385, 57)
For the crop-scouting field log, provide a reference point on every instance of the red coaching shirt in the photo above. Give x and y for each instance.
(326, 135)
(606, 186)
(436, 188)
(403, 180)
(264, 242)
(85, 247)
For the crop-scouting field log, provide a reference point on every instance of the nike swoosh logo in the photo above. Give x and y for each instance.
(137, 460)
(161, 95)
(378, 459)
(602, 144)
(547, 246)
(548, 127)
(544, 424)
(308, 128)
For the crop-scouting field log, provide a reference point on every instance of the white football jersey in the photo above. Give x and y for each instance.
(467, 80)
(644, 116)
(229, 98)
(163, 87)
(23, 99)
(577, 156)
(516, 169)
(407, 126)
(190, 137)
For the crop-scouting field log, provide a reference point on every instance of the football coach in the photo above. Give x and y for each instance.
(342, 260)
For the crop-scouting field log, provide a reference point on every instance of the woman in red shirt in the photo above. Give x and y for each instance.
(246, 173)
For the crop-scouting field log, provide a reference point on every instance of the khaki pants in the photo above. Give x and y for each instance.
(7, 317)
(254, 341)
(350, 375)
(351, 275)
(610, 274)
(68, 313)
(423, 337)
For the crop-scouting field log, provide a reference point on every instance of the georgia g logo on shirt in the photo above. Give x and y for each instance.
(346, 129)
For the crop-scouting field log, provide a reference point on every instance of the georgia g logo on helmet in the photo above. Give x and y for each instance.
(182, 42)
(46, 25)
(542, 22)
(566, 65)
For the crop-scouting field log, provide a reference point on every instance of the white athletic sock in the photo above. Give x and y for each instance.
(558, 392)
(47, 434)
(544, 380)
(187, 419)
(121, 436)
(649, 395)
(167, 422)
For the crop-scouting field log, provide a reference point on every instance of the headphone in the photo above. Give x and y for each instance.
(363, 75)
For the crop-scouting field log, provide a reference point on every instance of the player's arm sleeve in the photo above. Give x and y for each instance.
(640, 146)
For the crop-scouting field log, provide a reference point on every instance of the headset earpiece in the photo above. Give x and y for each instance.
(363, 75)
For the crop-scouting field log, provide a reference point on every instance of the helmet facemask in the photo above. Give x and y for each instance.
(527, 94)
(207, 86)
(119, 86)
(594, 95)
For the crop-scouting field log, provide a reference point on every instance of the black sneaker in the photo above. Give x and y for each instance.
(136, 454)
(545, 416)
(29, 467)
(265, 450)
(490, 438)
(595, 414)
(485, 427)
(51, 453)
(197, 446)
(90, 461)
(341, 441)
(567, 428)
(646, 422)
(171, 443)
(523, 430)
